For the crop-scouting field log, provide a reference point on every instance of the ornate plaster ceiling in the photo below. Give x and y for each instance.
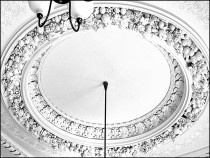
(79, 91)
(157, 66)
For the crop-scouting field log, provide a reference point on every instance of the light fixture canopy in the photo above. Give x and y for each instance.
(77, 9)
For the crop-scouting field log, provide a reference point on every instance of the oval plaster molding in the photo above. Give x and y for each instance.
(58, 133)
(32, 77)
(145, 146)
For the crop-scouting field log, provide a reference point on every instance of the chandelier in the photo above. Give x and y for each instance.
(77, 9)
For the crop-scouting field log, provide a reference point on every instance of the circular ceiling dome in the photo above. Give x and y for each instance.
(72, 73)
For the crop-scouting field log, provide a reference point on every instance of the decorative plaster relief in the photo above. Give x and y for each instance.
(14, 130)
(14, 150)
(115, 131)
(143, 23)
(199, 9)
(13, 10)
(182, 141)
(10, 12)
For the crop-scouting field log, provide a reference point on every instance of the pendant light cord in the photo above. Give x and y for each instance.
(105, 88)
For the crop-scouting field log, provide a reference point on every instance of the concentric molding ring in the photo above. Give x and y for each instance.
(52, 131)
(97, 124)
(49, 108)
(144, 145)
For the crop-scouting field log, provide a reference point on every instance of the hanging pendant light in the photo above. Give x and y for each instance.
(77, 9)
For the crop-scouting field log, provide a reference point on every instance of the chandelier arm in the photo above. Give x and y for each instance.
(40, 17)
(78, 20)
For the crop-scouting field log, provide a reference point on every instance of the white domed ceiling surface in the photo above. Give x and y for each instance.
(130, 71)
(156, 66)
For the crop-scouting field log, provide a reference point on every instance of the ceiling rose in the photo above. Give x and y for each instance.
(186, 97)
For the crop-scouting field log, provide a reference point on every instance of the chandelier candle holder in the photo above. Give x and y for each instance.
(77, 9)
